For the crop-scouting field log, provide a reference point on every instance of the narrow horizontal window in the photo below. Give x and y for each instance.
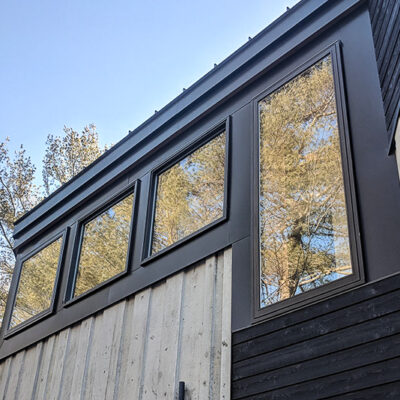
(104, 246)
(36, 284)
(304, 238)
(190, 194)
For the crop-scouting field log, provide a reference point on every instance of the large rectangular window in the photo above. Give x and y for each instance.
(303, 231)
(36, 284)
(104, 246)
(190, 194)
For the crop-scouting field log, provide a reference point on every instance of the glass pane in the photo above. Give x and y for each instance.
(104, 246)
(304, 240)
(36, 283)
(190, 194)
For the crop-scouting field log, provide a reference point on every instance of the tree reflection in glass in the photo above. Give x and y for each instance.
(36, 283)
(304, 240)
(190, 194)
(104, 246)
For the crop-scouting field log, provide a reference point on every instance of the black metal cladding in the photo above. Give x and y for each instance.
(225, 97)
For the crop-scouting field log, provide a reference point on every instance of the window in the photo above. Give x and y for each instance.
(104, 246)
(303, 230)
(190, 194)
(37, 281)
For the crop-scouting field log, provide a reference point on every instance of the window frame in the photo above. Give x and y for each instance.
(357, 277)
(179, 155)
(63, 234)
(132, 188)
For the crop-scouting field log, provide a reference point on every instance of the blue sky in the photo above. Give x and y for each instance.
(111, 63)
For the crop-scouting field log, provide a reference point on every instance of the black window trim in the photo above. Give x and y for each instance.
(210, 134)
(131, 188)
(63, 234)
(342, 284)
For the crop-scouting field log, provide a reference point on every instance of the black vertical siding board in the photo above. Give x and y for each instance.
(392, 102)
(383, 6)
(375, 15)
(352, 349)
(385, 22)
(378, 11)
(384, 27)
(390, 46)
(385, 35)
(372, 7)
(391, 82)
(393, 62)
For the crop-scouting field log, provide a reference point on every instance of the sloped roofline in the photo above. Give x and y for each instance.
(237, 60)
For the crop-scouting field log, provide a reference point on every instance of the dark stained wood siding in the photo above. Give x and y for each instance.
(347, 347)
(385, 21)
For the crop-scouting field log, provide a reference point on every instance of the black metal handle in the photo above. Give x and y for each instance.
(181, 391)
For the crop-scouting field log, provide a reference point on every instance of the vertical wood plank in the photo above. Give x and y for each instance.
(15, 375)
(167, 380)
(30, 372)
(215, 351)
(94, 356)
(2, 366)
(54, 379)
(190, 350)
(69, 362)
(206, 328)
(150, 374)
(44, 368)
(101, 356)
(82, 354)
(132, 357)
(124, 348)
(4, 377)
(226, 342)
(112, 377)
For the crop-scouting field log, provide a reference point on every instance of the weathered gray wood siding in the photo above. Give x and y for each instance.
(140, 348)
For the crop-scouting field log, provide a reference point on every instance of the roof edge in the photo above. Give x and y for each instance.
(272, 33)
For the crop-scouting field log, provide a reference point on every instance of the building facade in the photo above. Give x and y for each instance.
(242, 243)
